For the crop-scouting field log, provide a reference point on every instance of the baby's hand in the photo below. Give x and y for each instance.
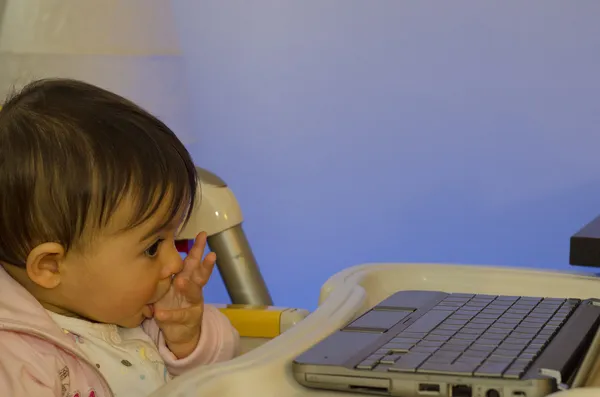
(179, 313)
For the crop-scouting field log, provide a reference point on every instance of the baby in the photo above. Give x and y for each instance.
(95, 300)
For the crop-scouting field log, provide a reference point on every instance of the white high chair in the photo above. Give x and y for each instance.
(266, 370)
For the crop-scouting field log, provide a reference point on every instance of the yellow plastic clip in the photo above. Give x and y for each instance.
(261, 321)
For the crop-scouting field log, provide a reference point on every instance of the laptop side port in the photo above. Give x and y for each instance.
(429, 389)
(461, 391)
(370, 389)
(492, 393)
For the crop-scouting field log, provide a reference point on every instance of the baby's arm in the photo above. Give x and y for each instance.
(24, 372)
(219, 341)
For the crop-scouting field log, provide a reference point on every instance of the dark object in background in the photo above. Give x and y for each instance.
(585, 245)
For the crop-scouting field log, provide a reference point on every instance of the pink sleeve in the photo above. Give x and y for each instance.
(219, 341)
(24, 372)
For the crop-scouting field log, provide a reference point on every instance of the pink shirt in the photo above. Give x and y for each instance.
(38, 359)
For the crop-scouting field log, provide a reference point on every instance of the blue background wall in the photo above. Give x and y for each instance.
(362, 131)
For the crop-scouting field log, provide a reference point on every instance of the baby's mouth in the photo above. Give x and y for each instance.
(149, 310)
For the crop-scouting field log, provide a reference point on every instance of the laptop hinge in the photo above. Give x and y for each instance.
(555, 374)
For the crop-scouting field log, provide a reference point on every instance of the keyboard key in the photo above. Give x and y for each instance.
(498, 331)
(472, 331)
(474, 354)
(477, 308)
(381, 367)
(479, 320)
(475, 361)
(494, 310)
(499, 325)
(521, 343)
(533, 351)
(523, 333)
(507, 299)
(424, 349)
(524, 308)
(452, 369)
(453, 298)
(367, 364)
(390, 359)
(455, 322)
(529, 300)
(413, 335)
(554, 300)
(512, 316)
(511, 322)
(450, 305)
(539, 341)
(492, 369)
(527, 356)
(513, 373)
(507, 353)
(409, 362)
(445, 356)
(437, 338)
(516, 369)
(408, 341)
(468, 312)
(445, 327)
(499, 305)
(459, 342)
(503, 355)
(429, 343)
(488, 316)
(540, 316)
(397, 347)
(443, 332)
(465, 336)
(488, 342)
(476, 326)
(520, 337)
(460, 317)
(485, 348)
(454, 348)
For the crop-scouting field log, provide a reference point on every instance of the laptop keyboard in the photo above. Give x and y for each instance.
(480, 335)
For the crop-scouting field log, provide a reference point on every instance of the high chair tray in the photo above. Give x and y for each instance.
(266, 371)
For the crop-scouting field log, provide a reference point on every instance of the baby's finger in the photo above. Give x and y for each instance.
(194, 257)
(202, 273)
(180, 316)
(197, 249)
(190, 290)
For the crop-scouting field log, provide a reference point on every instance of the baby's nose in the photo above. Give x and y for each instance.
(176, 265)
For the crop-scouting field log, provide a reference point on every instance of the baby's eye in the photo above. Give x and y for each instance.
(152, 251)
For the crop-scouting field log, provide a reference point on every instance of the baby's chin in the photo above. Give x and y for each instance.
(135, 321)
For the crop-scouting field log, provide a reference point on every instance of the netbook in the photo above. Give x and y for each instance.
(428, 343)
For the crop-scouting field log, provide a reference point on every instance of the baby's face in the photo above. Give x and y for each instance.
(120, 275)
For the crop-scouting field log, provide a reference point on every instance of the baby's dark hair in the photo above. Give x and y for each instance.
(70, 152)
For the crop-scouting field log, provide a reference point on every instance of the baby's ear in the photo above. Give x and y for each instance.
(43, 264)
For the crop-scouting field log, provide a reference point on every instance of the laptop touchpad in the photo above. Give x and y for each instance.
(378, 320)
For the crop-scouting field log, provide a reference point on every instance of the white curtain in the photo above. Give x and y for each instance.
(130, 47)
